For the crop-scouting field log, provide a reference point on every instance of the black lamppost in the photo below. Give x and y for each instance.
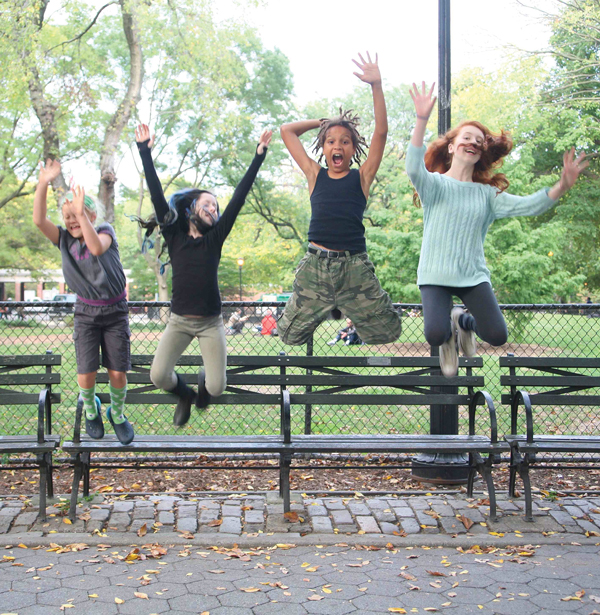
(240, 265)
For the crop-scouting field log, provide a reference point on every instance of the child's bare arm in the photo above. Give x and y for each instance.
(97, 244)
(290, 133)
(371, 75)
(48, 173)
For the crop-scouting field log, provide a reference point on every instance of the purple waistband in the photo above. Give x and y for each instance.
(103, 301)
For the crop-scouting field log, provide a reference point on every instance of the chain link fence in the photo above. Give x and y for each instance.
(534, 330)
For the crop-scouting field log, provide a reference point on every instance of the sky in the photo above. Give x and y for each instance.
(320, 37)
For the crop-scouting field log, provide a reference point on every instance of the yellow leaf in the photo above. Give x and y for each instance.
(92, 595)
(326, 591)
(396, 610)
(22, 546)
(119, 601)
(143, 530)
(249, 590)
(104, 489)
(141, 595)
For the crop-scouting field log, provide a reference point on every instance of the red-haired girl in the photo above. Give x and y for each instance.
(461, 196)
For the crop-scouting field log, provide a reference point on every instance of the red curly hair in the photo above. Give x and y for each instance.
(495, 148)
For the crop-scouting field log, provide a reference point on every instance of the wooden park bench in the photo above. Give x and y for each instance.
(552, 383)
(251, 380)
(324, 381)
(396, 384)
(18, 392)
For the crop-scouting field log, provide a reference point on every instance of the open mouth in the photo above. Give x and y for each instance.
(337, 159)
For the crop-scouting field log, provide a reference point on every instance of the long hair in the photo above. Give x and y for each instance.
(180, 206)
(349, 121)
(495, 148)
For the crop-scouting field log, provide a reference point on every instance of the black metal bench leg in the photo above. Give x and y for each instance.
(523, 469)
(75, 487)
(49, 481)
(512, 478)
(471, 478)
(284, 481)
(86, 474)
(43, 474)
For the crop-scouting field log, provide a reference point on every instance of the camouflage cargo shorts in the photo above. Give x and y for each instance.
(348, 283)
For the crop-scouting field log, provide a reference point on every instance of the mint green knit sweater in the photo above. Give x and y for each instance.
(456, 217)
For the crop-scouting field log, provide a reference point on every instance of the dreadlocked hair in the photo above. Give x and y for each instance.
(495, 147)
(349, 121)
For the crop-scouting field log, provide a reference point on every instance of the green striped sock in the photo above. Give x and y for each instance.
(117, 400)
(89, 402)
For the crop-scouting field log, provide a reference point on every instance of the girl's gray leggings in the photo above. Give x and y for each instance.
(180, 331)
(485, 316)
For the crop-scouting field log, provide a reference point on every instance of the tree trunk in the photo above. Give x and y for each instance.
(108, 177)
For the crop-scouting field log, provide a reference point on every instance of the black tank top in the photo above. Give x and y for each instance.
(337, 207)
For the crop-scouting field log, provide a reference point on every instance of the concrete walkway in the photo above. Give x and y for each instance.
(332, 580)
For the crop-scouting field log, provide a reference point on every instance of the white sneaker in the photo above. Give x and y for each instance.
(466, 339)
(449, 355)
(331, 343)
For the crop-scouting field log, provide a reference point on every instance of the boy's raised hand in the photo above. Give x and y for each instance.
(50, 171)
(370, 70)
(264, 141)
(423, 100)
(142, 133)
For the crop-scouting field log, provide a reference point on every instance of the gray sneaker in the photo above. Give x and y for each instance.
(466, 339)
(449, 355)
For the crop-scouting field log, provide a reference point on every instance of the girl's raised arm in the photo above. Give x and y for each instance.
(48, 174)
(290, 133)
(144, 142)
(371, 75)
(423, 106)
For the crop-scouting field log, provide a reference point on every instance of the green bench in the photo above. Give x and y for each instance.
(547, 382)
(20, 377)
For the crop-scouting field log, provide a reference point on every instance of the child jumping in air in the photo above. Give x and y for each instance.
(92, 268)
(461, 197)
(336, 272)
(194, 232)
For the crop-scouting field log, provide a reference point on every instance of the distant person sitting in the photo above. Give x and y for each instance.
(236, 322)
(268, 325)
(348, 335)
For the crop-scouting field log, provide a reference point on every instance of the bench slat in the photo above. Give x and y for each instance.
(558, 400)
(379, 400)
(550, 381)
(21, 379)
(30, 360)
(568, 362)
(225, 399)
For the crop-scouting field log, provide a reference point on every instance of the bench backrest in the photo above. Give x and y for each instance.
(550, 381)
(28, 380)
(330, 380)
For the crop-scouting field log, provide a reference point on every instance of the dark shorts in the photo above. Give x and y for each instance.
(103, 328)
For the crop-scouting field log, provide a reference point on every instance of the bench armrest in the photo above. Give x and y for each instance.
(479, 398)
(522, 397)
(286, 416)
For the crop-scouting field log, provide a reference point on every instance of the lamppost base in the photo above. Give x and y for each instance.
(441, 468)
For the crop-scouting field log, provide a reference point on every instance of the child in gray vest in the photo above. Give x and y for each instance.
(92, 269)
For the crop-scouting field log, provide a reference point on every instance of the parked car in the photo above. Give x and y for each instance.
(68, 303)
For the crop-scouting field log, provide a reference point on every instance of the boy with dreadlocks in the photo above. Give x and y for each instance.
(336, 272)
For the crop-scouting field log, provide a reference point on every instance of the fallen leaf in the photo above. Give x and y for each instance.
(292, 516)
(468, 523)
(217, 571)
(396, 610)
(250, 590)
(435, 573)
(141, 595)
(407, 576)
(118, 600)
(143, 530)
(315, 597)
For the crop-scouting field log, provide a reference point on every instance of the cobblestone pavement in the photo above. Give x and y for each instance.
(333, 580)
(239, 516)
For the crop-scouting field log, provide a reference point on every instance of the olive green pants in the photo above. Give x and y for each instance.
(347, 283)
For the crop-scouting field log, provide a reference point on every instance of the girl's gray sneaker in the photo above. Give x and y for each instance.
(466, 339)
(449, 355)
